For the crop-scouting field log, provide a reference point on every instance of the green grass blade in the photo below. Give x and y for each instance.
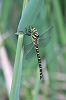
(14, 94)
(29, 14)
(37, 87)
(59, 19)
(18, 79)
(17, 71)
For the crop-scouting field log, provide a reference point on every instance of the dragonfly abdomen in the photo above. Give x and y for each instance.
(39, 61)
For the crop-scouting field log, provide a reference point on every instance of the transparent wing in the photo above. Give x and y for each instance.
(46, 33)
(30, 53)
(44, 42)
(29, 46)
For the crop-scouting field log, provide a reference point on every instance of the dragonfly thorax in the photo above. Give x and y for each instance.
(35, 36)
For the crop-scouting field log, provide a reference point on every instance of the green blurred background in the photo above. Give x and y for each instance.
(53, 12)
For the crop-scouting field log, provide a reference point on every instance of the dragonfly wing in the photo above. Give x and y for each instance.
(29, 46)
(44, 42)
(30, 53)
(46, 33)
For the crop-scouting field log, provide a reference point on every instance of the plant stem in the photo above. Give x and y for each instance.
(16, 66)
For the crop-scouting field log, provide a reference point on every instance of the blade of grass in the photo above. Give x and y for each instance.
(29, 14)
(18, 78)
(15, 80)
(14, 94)
(37, 86)
(5, 12)
(59, 18)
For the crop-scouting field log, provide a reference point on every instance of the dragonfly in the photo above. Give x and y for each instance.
(37, 41)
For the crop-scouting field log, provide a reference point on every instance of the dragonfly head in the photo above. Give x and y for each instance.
(32, 30)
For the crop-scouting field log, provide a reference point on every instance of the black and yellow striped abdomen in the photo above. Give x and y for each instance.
(35, 38)
(39, 60)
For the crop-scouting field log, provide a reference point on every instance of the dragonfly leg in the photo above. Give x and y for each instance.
(26, 32)
(30, 27)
